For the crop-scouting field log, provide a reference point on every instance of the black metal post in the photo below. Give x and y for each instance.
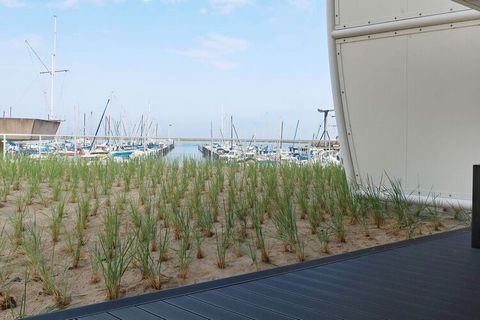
(476, 207)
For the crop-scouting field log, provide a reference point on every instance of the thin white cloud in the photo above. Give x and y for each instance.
(64, 4)
(215, 49)
(228, 6)
(69, 4)
(18, 42)
(166, 1)
(13, 3)
(306, 5)
(106, 2)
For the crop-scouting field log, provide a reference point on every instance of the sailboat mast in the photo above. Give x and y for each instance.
(231, 132)
(295, 136)
(281, 142)
(211, 140)
(53, 69)
(141, 130)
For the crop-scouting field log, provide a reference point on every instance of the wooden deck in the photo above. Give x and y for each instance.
(435, 277)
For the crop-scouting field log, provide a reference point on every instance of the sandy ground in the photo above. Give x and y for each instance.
(84, 292)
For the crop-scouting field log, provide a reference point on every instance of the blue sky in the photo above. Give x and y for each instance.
(262, 61)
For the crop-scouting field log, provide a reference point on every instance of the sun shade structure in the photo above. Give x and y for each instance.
(435, 277)
(474, 4)
(404, 78)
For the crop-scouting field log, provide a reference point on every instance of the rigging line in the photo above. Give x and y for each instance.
(117, 101)
(35, 72)
(38, 57)
(40, 82)
(44, 94)
(115, 98)
(60, 100)
(22, 96)
(29, 86)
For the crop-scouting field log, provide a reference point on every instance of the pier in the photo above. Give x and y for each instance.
(325, 152)
(208, 151)
(166, 149)
(117, 147)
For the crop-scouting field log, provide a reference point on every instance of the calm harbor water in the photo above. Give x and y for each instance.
(186, 149)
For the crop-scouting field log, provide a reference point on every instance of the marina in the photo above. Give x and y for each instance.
(268, 153)
(120, 138)
(124, 148)
(128, 191)
(87, 147)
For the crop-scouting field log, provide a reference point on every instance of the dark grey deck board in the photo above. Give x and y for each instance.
(434, 274)
(383, 276)
(204, 309)
(411, 257)
(437, 277)
(134, 313)
(347, 307)
(324, 307)
(286, 296)
(388, 283)
(102, 316)
(274, 303)
(455, 260)
(169, 312)
(226, 302)
(364, 296)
